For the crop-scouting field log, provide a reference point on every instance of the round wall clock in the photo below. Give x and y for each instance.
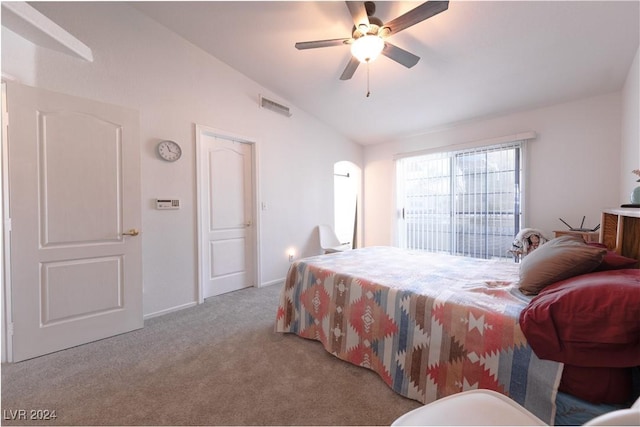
(169, 150)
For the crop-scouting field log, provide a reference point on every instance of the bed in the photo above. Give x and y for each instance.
(430, 325)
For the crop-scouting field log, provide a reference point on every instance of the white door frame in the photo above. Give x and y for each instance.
(200, 216)
(5, 248)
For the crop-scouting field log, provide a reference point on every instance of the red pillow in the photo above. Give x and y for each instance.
(592, 320)
(597, 385)
(613, 261)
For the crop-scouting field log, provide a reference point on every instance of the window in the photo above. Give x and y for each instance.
(463, 202)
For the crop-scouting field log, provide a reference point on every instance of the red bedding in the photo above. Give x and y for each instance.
(591, 323)
(597, 385)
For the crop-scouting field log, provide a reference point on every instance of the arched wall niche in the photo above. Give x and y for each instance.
(347, 178)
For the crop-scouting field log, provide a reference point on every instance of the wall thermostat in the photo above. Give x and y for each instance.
(167, 204)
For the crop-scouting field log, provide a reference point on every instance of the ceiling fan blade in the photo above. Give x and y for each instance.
(400, 55)
(350, 69)
(322, 43)
(424, 11)
(358, 13)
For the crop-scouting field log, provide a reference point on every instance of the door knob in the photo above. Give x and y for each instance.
(132, 232)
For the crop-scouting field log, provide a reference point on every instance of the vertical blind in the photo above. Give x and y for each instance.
(464, 202)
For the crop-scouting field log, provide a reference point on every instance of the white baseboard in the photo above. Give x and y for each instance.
(272, 282)
(170, 310)
(194, 303)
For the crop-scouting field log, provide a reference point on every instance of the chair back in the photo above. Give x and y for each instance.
(621, 417)
(328, 238)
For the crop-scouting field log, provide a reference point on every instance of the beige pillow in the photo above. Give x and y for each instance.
(558, 259)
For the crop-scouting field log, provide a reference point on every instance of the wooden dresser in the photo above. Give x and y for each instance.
(621, 231)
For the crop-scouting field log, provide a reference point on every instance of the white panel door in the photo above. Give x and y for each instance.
(226, 199)
(74, 184)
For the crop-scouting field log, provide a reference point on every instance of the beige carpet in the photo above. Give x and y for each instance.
(219, 363)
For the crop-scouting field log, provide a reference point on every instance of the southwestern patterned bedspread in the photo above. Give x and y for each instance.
(430, 325)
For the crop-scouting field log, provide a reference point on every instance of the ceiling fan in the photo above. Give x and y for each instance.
(368, 39)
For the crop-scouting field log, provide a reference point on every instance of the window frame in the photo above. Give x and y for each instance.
(453, 153)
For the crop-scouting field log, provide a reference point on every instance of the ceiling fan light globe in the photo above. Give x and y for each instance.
(367, 48)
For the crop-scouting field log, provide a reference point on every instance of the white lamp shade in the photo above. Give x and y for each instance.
(367, 48)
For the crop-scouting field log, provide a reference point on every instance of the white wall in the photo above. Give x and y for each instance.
(630, 153)
(174, 85)
(572, 165)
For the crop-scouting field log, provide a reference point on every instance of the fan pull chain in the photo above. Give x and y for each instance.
(368, 91)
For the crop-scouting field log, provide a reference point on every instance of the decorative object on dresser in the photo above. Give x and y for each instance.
(635, 194)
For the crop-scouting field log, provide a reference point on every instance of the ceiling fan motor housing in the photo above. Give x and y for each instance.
(375, 28)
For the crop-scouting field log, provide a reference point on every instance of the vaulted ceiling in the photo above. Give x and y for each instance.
(478, 59)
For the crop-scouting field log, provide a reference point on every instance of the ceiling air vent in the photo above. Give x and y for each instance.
(274, 106)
